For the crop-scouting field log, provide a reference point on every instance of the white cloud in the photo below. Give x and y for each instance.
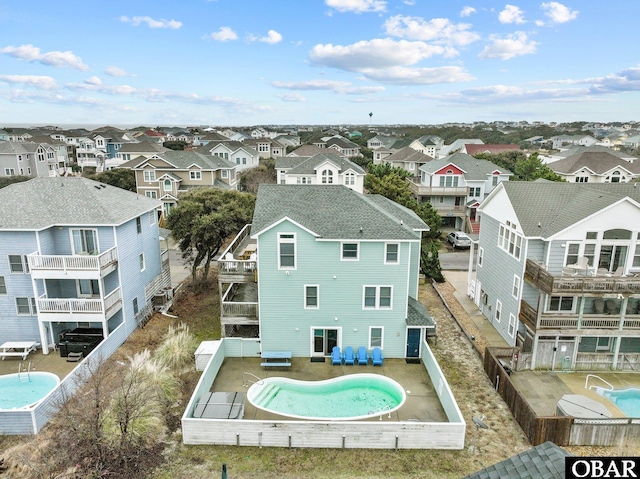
(30, 53)
(272, 37)
(559, 13)
(224, 35)
(419, 76)
(513, 45)
(94, 80)
(377, 53)
(38, 81)
(503, 94)
(341, 87)
(292, 97)
(511, 14)
(357, 6)
(151, 23)
(116, 72)
(437, 30)
(409, 2)
(467, 11)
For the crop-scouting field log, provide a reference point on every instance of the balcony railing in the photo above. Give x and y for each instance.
(64, 263)
(79, 306)
(420, 190)
(549, 283)
(232, 309)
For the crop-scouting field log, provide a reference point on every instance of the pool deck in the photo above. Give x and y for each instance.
(51, 363)
(422, 402)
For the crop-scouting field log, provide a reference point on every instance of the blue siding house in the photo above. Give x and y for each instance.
(76, 253)
(558, 273)
(333, 267)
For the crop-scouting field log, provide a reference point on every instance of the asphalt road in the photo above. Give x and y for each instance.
(457, 260)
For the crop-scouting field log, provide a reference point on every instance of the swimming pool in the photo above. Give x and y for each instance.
(351, 397)
(25, 389)
(627, 400)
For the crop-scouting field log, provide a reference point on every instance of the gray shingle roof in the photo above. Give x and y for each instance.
(303, 166)
(545, 461)
(597, 161)
(593, 148)
(556, 206)
(335, 212)
(474, 168)
(182, 160)
(417, 315)
(44, 202)
(408, 154)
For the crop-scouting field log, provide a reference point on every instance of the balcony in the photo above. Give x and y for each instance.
(536, 274)
(79, 309)
(73, 266)
(552, 322)
(235, 264)
(420, 190)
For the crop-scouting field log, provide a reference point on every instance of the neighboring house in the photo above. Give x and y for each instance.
(243, 156)
(432, 145)
(596, 167)
(292, 141)
(474, 149)
(76, 252)
(26, 158)
(333, 268)
(145, 148)
(343, 146)
(632, 142)
(576, 150)
(457, 145)
(4, 136)
(406, 158)
(557, 273)
(577, 140)
(310, 150)
(456, 186)
(165, 175)
(266, 147)
(320, 169)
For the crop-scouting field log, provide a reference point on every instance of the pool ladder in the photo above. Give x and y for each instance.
(21, 372)
(386, 408)
(586, 382)
(248, 379)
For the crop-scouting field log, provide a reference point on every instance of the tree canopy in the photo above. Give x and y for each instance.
(203, 220)
(8, 180)
(524, 168)
(265, 172)
(121, 177)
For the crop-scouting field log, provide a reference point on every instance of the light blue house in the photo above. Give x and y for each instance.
(333, 268)
(76, 253)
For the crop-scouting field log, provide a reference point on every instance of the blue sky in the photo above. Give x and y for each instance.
(250, 62)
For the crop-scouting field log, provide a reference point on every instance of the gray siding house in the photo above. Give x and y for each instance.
(558, 273)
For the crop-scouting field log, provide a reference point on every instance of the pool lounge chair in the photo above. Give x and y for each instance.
(362, 356)
(349, 356)
(376, 357)
(336, 356)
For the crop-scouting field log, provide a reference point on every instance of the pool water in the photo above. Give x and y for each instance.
(24, 389)
(349, 397)
(627, 400)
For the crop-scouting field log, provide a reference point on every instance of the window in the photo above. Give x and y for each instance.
(573, 251)
(88, 287)
(244, 161)
(494, 180)
(195, 175)
(84, 241)
(135, 306)
(139, 225)
(375, 337)
(18, 263)
(475, 192)
(391, 255)
(480, 256)
(152, 217)
(327, 177)
(349, 179)
(9, 171)
(167, 185)
(287, 250)
(377, 297)
(498, 312)
(512, 324)
(412, 166)
(590, 252)
(560, 304)
(23, 306)
(516, 287)
(349, 251)
(311, 297)
(149, 176)
(510, 241)
(151, 194)
(448, 181)
(141, 261)
(3, 286)
(224, 173)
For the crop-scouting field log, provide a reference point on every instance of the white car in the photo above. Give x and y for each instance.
(459, 240)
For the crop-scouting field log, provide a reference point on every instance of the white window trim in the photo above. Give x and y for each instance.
(139, 225)
(497, 314)
(381, 328)
(317, 286)
(148, 176)
(342, 258)
(23, 261)
(515, 290)
(142, 262)
(153, 194)
(195, 175)
(3, 281)
(377, 287)
(397, 261)
(512, 325)
(295, 250)
(73, 244)
(480, 256)
(152, 217)
(30, 304)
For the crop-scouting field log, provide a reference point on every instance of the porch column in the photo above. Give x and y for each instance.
(534, 350)
(580, 312)
(470, 271)
(616, 352)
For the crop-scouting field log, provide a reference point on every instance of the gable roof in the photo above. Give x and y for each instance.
(144, 146)
(309, 150)
(335, 212)
(558, 205)
(307, 166)
(594, 148)
(599, 162)
(545, 461)
(408, 154)
(473, 149)
(184, 159)
(44, 202)
(474, 168)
